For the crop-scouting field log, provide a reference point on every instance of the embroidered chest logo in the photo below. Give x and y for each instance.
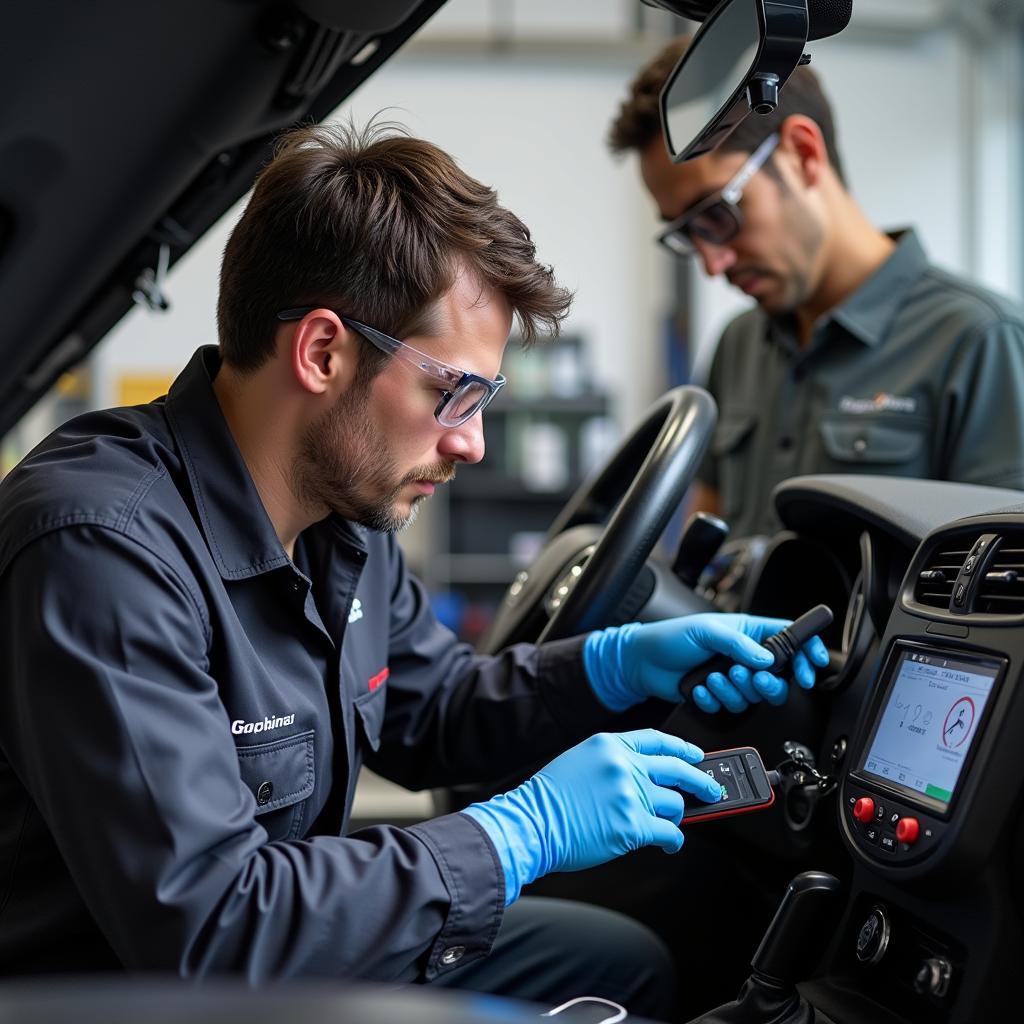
(240, 725)
(882, 402)
(356, 611)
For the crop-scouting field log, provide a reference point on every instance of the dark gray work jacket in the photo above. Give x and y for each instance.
(185, 711)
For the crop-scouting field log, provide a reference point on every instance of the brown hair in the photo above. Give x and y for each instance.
(638, 122)
(377, 225)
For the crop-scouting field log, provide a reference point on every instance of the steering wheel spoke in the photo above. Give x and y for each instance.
(587, 567)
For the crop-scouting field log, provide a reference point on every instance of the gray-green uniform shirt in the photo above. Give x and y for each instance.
(918, 374)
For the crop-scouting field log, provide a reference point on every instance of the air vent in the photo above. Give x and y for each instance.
(935, 581)
(1001, 589)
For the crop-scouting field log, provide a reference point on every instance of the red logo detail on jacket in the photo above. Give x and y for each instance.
(380, 677)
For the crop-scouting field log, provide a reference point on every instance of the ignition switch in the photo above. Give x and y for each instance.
(873, 937)
(933, 977)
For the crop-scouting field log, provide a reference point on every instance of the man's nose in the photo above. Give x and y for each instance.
(464, 443)
(717, 259)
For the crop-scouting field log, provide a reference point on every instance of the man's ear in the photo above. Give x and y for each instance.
(801, 138)
(323, 353)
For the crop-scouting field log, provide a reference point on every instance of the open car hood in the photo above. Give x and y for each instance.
(128, 128)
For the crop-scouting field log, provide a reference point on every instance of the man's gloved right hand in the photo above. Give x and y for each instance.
(610, 794)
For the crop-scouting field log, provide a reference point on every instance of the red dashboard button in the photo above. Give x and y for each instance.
(907, 830)
(864, 809)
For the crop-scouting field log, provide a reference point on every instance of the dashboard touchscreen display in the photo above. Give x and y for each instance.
(929, 721)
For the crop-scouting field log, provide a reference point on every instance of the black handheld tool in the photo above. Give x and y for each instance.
(783, 645)
(747, 785)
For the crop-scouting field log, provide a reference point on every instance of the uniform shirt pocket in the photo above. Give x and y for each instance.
(892, 445)
(371, 713)
(281, 776)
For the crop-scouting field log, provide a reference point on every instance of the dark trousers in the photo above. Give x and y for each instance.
(549, 951)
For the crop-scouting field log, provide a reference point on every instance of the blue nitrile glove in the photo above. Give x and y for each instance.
(608, 795)
(628, 664)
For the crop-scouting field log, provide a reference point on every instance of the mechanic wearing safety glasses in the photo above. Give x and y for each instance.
(209, 627)
(860, 356)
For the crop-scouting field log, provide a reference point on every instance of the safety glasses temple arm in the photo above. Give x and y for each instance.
(757, 160)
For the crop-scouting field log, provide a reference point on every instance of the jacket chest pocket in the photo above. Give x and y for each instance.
(880, 444)
(370, 713)
(731, 447)
(281, 775)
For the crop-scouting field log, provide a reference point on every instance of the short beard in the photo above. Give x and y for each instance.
(345, 467)
(807, 238)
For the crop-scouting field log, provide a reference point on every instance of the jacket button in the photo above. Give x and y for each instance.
(264, 793)
(453, 954)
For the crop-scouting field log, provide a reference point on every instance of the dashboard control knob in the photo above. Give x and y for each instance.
(907, 830)
(933, 977)
(873, 937)
(864, 809)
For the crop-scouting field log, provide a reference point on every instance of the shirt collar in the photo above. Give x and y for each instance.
(240, 535)
(869, 311)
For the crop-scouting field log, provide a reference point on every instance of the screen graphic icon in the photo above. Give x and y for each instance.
(959, 720)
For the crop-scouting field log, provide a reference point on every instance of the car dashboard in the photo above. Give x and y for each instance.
(919, 721)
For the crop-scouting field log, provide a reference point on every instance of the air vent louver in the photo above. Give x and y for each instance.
(1001, 589)
(935, 582)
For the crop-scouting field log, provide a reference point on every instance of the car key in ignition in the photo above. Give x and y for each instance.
(783, 645)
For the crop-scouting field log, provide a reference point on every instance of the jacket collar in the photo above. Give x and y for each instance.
(240, 535)
(868, 313)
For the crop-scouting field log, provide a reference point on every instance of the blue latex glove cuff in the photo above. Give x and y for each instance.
(520, 849)
(603, 662)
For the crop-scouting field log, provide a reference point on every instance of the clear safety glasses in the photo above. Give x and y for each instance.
(716, 218)
(464, 394)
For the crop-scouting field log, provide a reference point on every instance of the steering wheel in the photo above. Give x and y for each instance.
(585, 575)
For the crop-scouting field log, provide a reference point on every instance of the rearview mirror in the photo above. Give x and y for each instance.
(738, 61)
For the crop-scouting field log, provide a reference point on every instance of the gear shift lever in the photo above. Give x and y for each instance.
(702, 536)
(800, 929)
(791, 946)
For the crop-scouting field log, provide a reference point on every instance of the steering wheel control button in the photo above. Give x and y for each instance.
(871, 834)
(264, 793)
(894, 818)
(564, 586)
(960, 595)
(888, 842)
(932, 979)
(908, 830)
(969, 565)
(516, 589)
(452, 955)
(879, 812)
(873, 937)
(864, 809)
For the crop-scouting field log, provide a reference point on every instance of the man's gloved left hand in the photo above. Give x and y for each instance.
(628, 664)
